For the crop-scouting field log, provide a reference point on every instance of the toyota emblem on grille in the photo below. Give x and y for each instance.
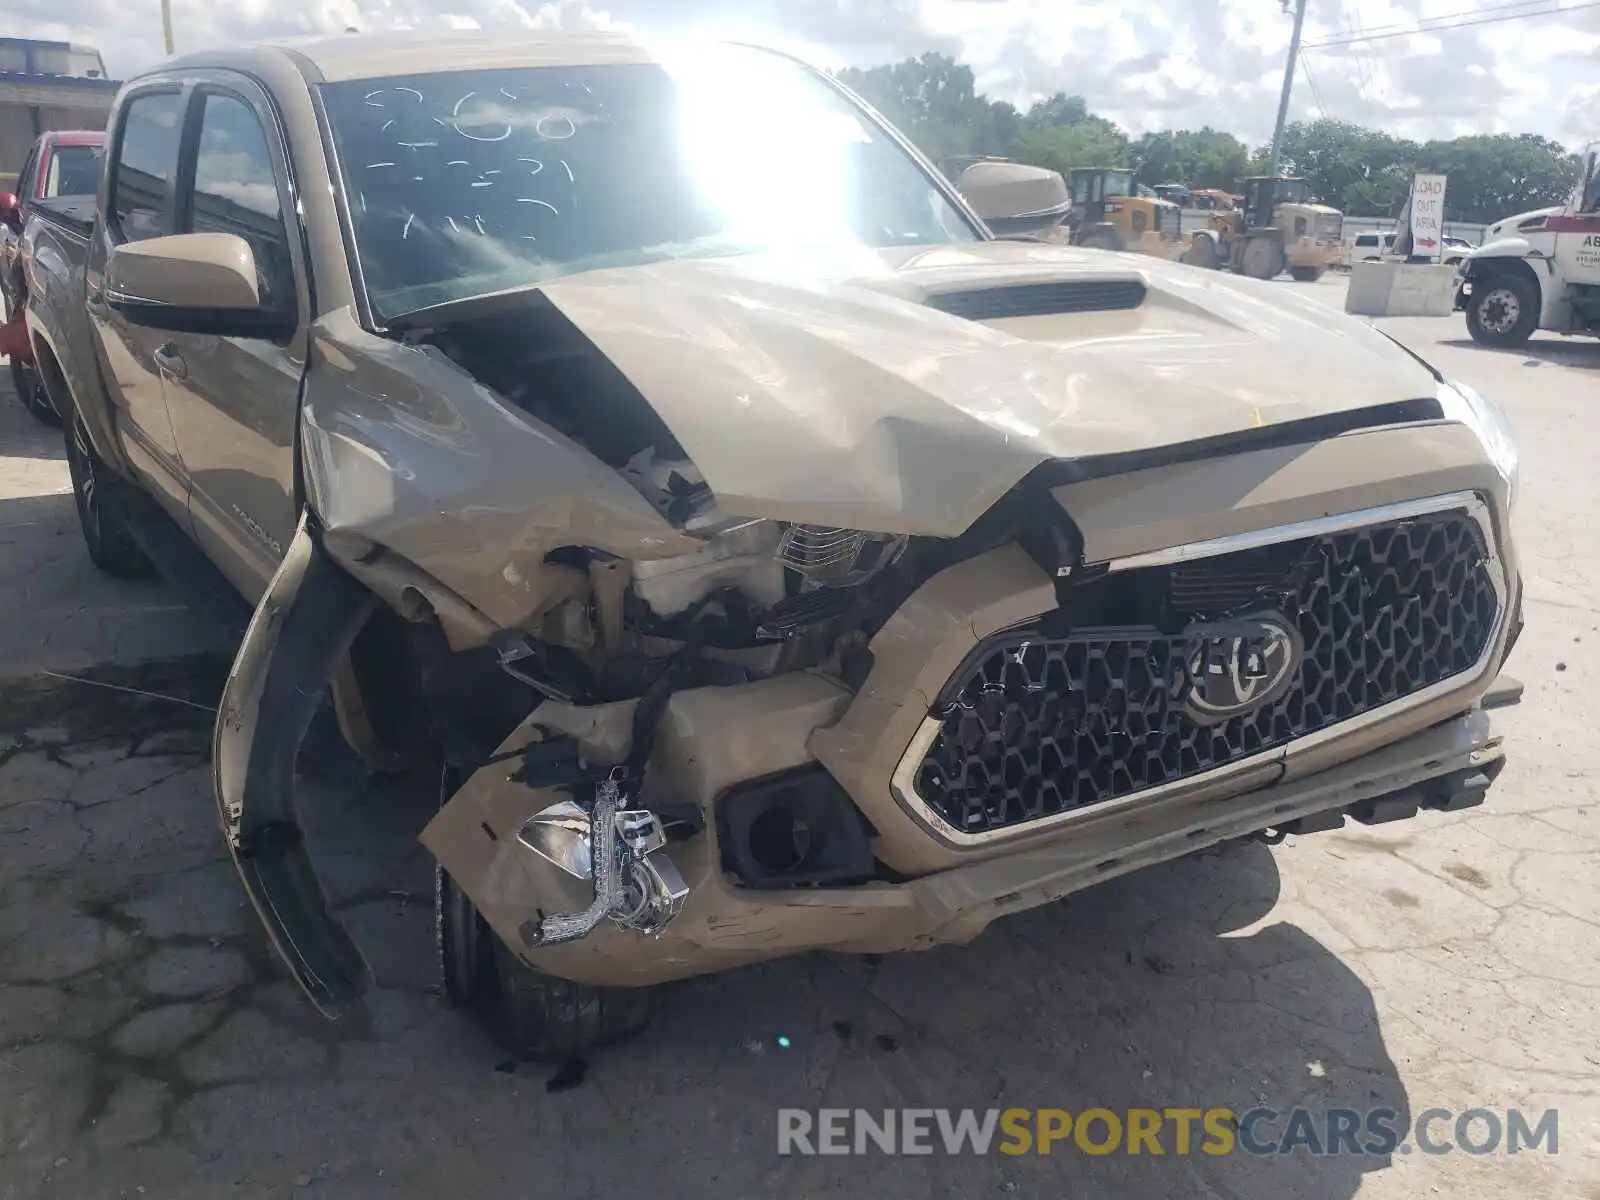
(1235, 667)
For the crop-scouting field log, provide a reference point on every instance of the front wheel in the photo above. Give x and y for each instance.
(1503, 310)
(102, 509)
(29, 382)
(537, 1017)
(1263, 258)
(1307, 274)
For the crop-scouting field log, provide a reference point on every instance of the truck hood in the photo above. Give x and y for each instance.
(1509, 225)
(839, 392)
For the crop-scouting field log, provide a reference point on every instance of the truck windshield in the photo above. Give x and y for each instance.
(468, 182)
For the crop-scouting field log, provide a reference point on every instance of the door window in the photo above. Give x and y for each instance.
(1591, 191)
(236, 191)
(146, 156)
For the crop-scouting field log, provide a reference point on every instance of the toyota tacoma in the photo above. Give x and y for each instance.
(766, 556)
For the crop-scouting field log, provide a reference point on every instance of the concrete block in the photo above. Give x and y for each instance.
(1397, 289)
(1370, 285)
(1423, 290)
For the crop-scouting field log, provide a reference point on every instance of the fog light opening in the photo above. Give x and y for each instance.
(793, 829)
(780, 839)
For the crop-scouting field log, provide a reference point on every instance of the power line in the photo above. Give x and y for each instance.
(1374, 37)
(1316, 93)
(1481, 10)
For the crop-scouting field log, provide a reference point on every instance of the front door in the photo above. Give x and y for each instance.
(235, 401)
(138, 205)
(1577, 251)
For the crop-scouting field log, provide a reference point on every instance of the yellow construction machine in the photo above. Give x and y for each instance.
(1108, 212)
(1278, 228)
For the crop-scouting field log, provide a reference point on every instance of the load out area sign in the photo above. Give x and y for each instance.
(1427, 216)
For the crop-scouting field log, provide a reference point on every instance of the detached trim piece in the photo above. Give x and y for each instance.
(297, 638)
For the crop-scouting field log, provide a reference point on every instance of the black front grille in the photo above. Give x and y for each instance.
(1056, 719)
(1041, 299)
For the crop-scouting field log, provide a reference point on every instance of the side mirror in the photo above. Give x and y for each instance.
(10, 209)
(1014, 198)
(193, 283)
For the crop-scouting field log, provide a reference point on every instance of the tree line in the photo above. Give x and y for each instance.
(1364, 172)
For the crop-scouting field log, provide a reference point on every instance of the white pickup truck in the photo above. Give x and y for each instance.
(1538, 270)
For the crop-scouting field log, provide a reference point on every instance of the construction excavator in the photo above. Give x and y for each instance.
(1278, 228)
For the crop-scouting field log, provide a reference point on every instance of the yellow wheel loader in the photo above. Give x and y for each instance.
(1108, 213)
(1279, 228)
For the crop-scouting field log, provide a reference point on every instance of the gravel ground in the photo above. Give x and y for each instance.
(150, 1045)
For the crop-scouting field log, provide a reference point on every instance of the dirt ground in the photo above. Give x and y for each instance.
(150, 1046)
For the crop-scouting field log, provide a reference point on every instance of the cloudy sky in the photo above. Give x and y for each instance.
(1148, 64)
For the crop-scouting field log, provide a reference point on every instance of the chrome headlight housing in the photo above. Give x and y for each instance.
(1488, 420)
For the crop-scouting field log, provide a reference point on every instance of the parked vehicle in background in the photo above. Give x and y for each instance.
(1375, 246)
(1108, 215)
(1214, 200)
(62, 164)
(1279, 228)
(46, 86)
(1538, 270)
(757, 554)
(1370, 247)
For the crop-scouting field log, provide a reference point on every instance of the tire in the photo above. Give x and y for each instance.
(102, 502)
(1503, 310)
(29, 382)
(1263, 258)
(538, 1018)
(1202, 253)
(1307, 274)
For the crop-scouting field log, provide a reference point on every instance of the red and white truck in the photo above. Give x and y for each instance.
(1538, 271)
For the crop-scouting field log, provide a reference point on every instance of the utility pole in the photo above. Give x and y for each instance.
(166, 23)
(1288, 81)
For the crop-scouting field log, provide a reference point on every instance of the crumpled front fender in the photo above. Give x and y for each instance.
(301, 630)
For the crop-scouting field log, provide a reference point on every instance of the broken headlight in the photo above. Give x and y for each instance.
(825, 556)
(1488, 420)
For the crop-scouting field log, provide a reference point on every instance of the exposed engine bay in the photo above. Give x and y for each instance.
(762, 597)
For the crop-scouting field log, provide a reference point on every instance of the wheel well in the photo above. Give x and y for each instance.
(401, 691)
(55, 379)
(1485, 269)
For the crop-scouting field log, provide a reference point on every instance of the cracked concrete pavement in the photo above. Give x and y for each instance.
(151, 1046)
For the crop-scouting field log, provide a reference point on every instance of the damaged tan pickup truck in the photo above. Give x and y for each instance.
(773, 558)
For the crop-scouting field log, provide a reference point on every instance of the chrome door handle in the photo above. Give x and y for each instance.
(170, 362)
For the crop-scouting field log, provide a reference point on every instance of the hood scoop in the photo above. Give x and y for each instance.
(1041, 299)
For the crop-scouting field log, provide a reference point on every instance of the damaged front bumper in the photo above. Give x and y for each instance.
(723, 925)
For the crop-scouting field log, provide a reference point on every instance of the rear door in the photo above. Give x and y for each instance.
(235, 401)
(139, 204)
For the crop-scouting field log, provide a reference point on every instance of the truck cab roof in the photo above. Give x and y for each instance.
(335, 58)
